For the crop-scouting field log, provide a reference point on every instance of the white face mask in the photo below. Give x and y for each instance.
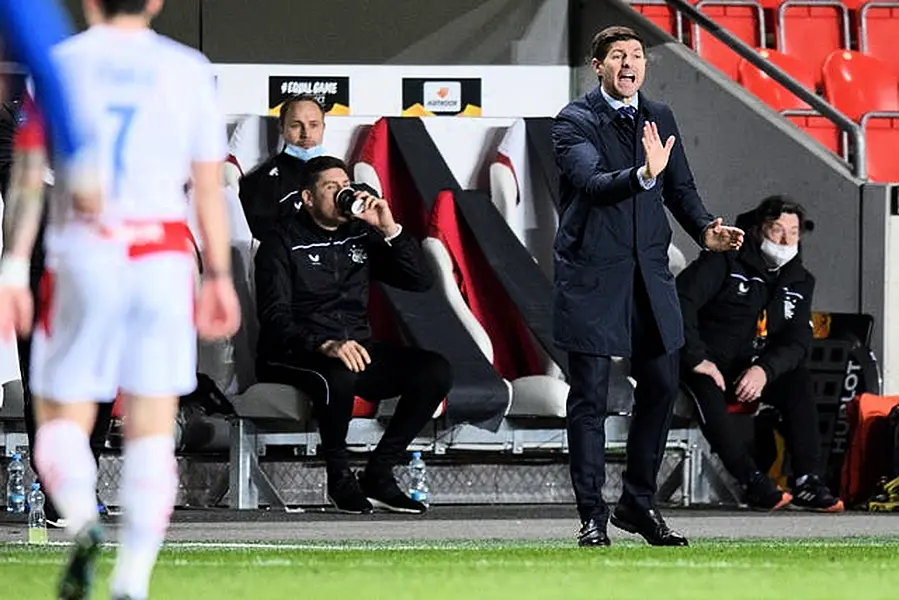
(304, 153)
(778, 255)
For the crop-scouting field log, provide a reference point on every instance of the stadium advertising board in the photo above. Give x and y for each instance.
(332, 92)
(423, 97)
(388, 90)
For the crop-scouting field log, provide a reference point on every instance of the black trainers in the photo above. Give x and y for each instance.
(78, 577)
(814, 495)
(383, 492)
(764, 494)
(346, 495)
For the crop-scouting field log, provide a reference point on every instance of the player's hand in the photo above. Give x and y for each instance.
(707, 367)
(16, 312)
(657, 154)
(84, 185)
(88, 204)
(351, 353)
(721, 238)
(377, 213)
(751, 383)
(217, 310)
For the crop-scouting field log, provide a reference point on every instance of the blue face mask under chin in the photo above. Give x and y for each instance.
(304, 153)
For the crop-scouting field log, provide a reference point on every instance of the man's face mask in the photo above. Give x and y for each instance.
(304, 154)
(778, 255)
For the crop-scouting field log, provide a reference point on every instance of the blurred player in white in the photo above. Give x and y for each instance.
(120, 310)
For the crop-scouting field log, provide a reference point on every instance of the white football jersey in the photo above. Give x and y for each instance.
(149, 106)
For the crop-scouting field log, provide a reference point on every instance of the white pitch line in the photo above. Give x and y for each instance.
(489, 544)
(720, 565)
(362, 545)
(307, 546)
(282, 563)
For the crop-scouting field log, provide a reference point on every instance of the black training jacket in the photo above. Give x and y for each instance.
(724, 298)
(312, 285)
(270, 192)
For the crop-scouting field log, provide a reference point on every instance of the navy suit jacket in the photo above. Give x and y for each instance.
(612, 230)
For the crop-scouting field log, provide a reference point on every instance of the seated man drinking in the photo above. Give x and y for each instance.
(313, 273)
(747, 329)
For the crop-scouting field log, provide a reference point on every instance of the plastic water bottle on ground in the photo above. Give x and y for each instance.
(15, 485)
(418, 484)
(37, 518)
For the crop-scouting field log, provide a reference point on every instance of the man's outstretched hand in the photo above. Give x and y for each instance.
(722, 238)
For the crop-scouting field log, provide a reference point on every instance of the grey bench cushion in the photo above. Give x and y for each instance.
(272, 401)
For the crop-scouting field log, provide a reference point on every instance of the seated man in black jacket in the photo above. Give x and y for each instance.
(747, 324)
(270, 192)
(312, 287)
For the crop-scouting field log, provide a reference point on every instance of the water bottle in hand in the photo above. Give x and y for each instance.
(418, 485)
(15, 485)
(37, 518)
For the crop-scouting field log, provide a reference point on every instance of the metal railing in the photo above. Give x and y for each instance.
(863, 20)
(837, 5)
(759, 11)
(852, 129)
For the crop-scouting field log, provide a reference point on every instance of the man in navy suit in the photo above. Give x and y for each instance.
(614, 294)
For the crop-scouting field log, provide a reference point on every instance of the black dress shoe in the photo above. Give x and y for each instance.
(593, 533)
(648, 523)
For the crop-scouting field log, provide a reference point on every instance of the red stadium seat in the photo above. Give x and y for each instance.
(364, 409)
(773, 94)
(780, 99)
(811, 30)
(662, 15)
(742, 18)
(882, 139)
(821, 129)
(866, 90)
(879, 30)
(857, 84)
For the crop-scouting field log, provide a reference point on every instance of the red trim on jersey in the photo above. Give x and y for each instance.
(151, 237)
(176, 237)
(45, 292)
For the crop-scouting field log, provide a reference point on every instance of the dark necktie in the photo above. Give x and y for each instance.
(629, 119)
(628, 111)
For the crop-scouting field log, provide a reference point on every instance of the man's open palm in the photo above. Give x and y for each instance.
(657, 154)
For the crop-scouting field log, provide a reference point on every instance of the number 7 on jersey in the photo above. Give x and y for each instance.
(125, 115)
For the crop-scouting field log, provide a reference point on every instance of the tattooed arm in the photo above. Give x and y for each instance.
(24, 204)
(21, 222)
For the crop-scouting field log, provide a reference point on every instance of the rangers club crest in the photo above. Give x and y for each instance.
(358, 254)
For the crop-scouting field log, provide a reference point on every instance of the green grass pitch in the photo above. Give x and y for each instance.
(853, 569)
